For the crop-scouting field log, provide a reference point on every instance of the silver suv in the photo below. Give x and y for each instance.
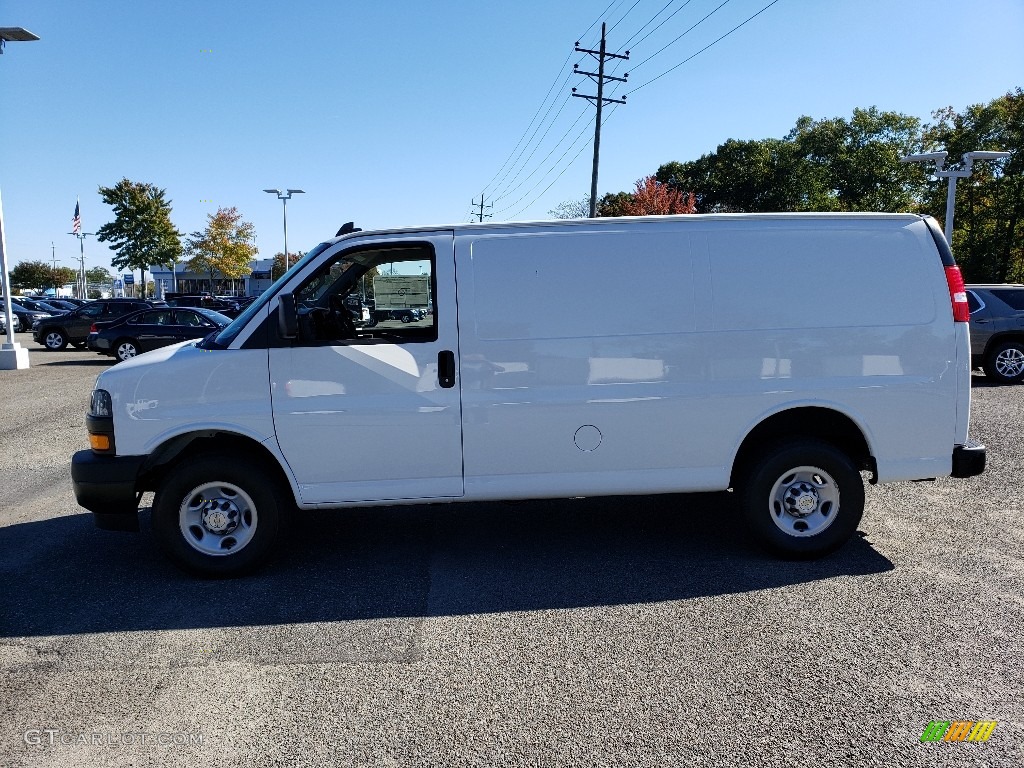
(997, 331)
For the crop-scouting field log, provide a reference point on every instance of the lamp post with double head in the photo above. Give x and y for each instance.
(939, 158)
(284, 197)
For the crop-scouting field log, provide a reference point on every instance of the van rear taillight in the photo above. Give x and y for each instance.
(957, 295)
(92, 328)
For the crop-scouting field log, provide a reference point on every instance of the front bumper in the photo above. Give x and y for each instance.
(105, 485)
(968, 459)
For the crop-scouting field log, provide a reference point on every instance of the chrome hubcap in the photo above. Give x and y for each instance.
(217, 518)
(804, 501)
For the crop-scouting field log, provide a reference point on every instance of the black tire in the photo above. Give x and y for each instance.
(54, 339)
(803, 498)
(126, 349)
(185, 519)
(1005, 362)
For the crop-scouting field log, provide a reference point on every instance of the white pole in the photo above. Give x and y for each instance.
(13, 356)
(284, 200)
(950, 205)
(8, 315)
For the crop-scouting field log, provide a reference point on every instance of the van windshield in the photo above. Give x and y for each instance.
(223, 339)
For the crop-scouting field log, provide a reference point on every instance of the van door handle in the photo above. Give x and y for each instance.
(446, 368)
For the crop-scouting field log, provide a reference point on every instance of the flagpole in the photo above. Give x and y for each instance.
(76, 230)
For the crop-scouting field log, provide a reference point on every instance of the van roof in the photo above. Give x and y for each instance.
(618, 220)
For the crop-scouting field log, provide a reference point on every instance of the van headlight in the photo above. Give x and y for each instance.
(100, 422)
(100, 405)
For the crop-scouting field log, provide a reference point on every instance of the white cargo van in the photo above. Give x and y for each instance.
(778, 355)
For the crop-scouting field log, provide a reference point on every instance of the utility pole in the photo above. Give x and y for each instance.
(482, 215)
(599, 77)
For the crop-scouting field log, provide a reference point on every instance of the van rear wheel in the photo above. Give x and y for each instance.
(803, 498)
(218, 515)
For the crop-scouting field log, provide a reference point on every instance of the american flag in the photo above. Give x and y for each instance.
(76, 222)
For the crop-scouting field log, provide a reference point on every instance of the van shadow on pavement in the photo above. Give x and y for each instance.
(64, 576)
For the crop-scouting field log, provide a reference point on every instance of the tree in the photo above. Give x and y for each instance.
(572, 209)
(225, 247)
(614, 204)
(99, 275)
(32, 275)
(653, 198)
(63, 276)
(142, 233)
(38, 275)
(854, 165)
(761, 175)
(278, 266)
(820, 165)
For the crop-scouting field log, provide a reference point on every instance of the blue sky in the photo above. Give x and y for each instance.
(401, 113)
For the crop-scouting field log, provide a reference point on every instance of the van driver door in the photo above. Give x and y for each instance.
(366, 401)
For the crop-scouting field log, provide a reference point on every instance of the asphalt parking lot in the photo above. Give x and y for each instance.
(637, 631)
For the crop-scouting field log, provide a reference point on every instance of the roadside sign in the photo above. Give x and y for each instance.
(129, 279)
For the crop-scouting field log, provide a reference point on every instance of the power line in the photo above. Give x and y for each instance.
(512, 190)
(551, 89)
(567, 167)
(631, 44)
(520, 159)
(528, 192)
(714, 42)
(688, 31)
(623, 16)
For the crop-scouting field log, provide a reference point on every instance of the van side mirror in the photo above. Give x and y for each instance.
(287, 317)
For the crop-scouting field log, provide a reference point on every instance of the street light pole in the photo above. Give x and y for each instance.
(83, 287)
(939, 158)
(284, 197)
(13, 356)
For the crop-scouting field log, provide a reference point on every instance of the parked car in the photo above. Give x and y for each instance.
(409, 315)
(62, 305)
(997, 330)
(231, 307)
(3, 322)
(41, 305)
(26, 315)
(73, 328)
(149, 329)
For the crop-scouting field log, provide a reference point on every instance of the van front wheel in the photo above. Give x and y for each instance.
(803, 498)
(218, 515)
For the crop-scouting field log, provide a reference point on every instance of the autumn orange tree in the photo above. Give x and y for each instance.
(652, 198)
(225, 246)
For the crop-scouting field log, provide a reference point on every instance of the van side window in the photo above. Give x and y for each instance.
(379, 294)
